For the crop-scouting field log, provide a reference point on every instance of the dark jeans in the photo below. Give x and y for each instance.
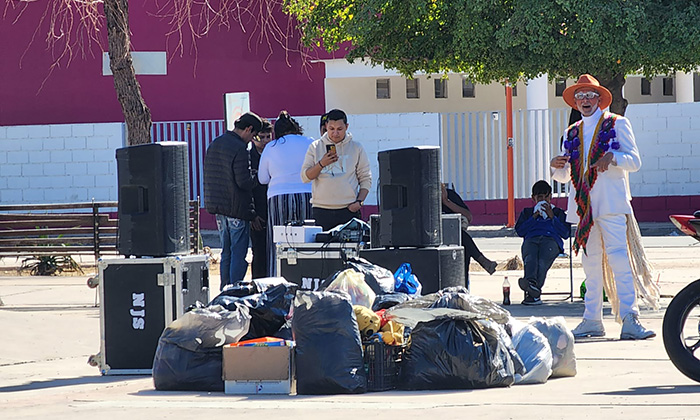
(328, 219)
(258, 239)
(539, 254)
(470, 251)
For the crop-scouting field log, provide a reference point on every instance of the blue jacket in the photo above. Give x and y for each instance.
(530, 227)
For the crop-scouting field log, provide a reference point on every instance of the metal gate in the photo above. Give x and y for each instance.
(474, 151)
(198, 135)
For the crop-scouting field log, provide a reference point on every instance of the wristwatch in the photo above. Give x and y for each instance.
(362, 203)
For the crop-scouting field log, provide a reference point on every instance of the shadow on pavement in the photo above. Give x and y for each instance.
(55, 383)
(653, 390)
(548, 309)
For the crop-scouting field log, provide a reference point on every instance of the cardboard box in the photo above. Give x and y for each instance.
(259, 370)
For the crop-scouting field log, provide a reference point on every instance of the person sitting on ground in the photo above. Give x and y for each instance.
(453, 203)
(543, 229)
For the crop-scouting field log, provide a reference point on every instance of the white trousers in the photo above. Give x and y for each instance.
(611, 230)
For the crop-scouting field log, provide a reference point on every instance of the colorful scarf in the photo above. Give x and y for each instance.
(583, 178)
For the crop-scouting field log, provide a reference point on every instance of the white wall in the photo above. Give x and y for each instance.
(59, 163)
(668, 138)
(378, 132)
(76, 162)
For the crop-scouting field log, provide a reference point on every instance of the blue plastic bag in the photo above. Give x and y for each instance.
(407, 282)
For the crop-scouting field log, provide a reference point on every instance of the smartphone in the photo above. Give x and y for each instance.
(330, 148)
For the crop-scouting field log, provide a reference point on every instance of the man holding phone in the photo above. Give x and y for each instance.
(338, 168)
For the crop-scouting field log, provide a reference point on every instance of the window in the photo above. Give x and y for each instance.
(559, 86)
(515, 89)
(383, 91)
(468, 88)
(440, 88)
(668, 86)
(646, 86)
(412, 91)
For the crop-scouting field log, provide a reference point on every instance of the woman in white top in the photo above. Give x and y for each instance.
(288, 198)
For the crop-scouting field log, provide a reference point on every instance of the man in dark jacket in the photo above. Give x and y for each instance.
(228, 194)
(543, 229)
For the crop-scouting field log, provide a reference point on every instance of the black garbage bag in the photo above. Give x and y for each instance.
(389, 300)
(455, 353)
(479, 306)
(380, 279)
(268, 309)
(240, 289)
(328, 345)
(188, 356)
(252, 287)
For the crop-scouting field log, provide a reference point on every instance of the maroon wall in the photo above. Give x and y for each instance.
(30, 93)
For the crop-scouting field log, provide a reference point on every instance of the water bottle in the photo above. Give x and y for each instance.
(506, 291)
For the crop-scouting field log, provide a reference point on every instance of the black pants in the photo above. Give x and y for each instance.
(328, 219)
(470, 251)
(258, 239)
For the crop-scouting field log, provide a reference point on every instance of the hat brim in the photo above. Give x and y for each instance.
(605, 95)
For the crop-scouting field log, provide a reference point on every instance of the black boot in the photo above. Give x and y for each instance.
(487, 264)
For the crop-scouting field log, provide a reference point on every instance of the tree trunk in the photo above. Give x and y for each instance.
(614, 84)
(136, 114)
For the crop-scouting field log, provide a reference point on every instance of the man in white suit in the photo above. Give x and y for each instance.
(597, 154)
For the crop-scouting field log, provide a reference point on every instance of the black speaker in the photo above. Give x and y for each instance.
(451, 230)
(409, 197)
(435, 267)
(153, 181)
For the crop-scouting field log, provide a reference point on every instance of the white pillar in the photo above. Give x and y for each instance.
(537, 93)
(538, 150)
(684, 87)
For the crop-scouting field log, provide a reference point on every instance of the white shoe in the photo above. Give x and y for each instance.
(589, 328)
(632, 329)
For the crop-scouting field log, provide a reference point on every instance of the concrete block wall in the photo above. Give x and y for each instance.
(668, 138)
(76, 162)
(59, 163)
(378, 132)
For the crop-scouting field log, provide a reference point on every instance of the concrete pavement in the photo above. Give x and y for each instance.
(49, 327)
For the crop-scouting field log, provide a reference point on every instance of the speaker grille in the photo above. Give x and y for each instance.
(409, 188)
(153, 182)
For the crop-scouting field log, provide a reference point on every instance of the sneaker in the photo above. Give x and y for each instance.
(529, 286)
(589, 328)
(632, 329)
(532, 301)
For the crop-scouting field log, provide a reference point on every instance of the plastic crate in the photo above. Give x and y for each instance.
(381, 364)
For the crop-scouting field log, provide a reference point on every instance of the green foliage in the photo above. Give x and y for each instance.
(492, 40)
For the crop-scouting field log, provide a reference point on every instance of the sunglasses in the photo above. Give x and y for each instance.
(586, 95)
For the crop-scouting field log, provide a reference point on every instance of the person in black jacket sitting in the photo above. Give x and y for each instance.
(228, 194)
(453, 203)
(543, 228)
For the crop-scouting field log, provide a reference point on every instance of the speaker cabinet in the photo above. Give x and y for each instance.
(153, 181)
(435, 267)
(451, 230)
(409, 191)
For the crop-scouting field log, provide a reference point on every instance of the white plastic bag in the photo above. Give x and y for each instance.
(353, 283)
(561, 343)
(533, 348)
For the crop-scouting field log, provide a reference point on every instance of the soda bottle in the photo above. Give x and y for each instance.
(506, 291)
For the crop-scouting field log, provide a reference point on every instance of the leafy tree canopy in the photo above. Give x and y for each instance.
(494, 40)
